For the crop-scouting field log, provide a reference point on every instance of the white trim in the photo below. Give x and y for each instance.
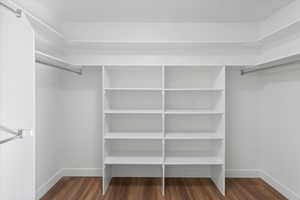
(86, 172)
(284, 190)
(242, 173)
(44, 188)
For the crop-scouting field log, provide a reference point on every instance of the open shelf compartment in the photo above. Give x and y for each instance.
(133, 100)
(194, 77)
(138, 77)
(194, 152)
(194, 102)
(133, 152)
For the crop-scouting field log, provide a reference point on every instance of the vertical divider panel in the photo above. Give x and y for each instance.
(106, 171)
(163, 130)
(103, 134)
(218, 172)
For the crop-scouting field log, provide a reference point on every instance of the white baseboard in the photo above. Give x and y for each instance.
(43, 189)
(287, 192)
(242, 173)
(88, 172)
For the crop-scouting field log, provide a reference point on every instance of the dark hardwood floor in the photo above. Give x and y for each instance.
(85, 188)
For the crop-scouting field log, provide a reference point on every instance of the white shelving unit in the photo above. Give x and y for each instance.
(164, 116)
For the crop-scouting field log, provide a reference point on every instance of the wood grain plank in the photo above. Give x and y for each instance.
(89, 188)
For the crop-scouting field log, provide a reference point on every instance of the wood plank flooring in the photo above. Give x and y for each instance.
(88, 188)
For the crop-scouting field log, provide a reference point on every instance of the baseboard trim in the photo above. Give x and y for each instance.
(43, 189)
(88, 172)
(285, 191)
(242, 173)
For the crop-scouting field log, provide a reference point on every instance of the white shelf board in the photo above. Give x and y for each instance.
(133, 89)
(193, 161)
(194, 112)
(146, 135)
(148, 111)
(194, 89)
(122, 160)
(193, 136)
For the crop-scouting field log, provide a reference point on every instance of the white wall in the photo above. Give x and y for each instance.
(279, 128)
(241, 124)
(68, 124)
(17, 107)
(49, 124)
(263, 125)
(82, 117)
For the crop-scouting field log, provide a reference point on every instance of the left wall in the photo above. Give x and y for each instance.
(49, 126)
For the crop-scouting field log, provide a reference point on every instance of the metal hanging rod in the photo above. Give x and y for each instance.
(16, 11)
(272, 64)
(52, 61)
(17, 134)
(248, 71)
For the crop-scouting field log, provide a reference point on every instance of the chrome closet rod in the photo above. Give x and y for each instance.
(58, 63)
(59, 67)
(248, 71)
(16, 11)
(17, 134)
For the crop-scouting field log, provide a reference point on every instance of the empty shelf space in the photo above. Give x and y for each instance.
(194, 77)
(193, 111)
(133, 100)
(193, 161)
(148, 111)
(132, 76)
(141, 135)
(122, 160)
(192, 136)
(133, 123)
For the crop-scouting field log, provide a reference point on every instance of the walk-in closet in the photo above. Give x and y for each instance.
(149, 100)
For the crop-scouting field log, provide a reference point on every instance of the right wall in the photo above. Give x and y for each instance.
(279, 128)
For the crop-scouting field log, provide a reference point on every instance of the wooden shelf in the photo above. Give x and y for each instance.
(193, 136)
(194, 89)
(193, 112)
(116, 136)
(193, 161)
(148, 111)
(120, 160)
(133, 89)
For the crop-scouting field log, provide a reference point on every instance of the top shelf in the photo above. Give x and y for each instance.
(167, 89)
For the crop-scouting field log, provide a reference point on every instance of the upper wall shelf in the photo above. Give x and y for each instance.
(167, 89)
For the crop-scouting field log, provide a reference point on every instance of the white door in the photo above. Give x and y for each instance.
(17, 107)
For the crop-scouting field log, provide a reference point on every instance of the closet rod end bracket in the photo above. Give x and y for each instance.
(18, 12)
